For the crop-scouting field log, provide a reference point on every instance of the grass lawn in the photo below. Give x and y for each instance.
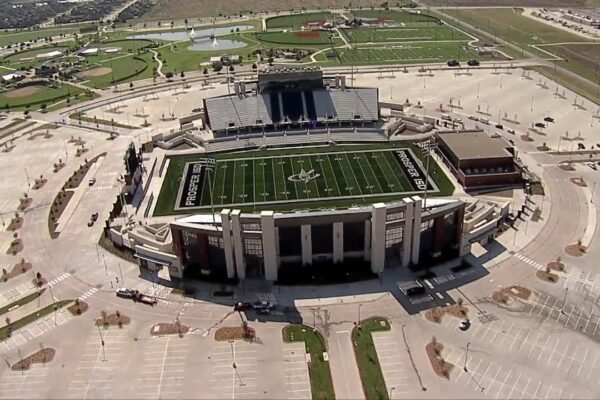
(587, 91)
(80, 117)
(582, 58)
(121, 69)
(44, 94)
(12, 37)
(32, 317)
(22, 301)
(27, 58)
(346, 176)
(320, 375)
(432, 33)
(366, 357)
(397, 16)
(297, 20)
(407, 53)
(294, 38)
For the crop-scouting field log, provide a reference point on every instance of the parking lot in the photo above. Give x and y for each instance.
(395, 364)
(24, 385)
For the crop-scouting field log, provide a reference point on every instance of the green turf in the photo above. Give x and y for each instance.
(433, 33)
(45, 95)
(321, 383)
(349, 175)
(32, 317)
(397, 16)
(296, 20)
(366, 357)
(407, 53)
(294, 38)
(124, 68)
(14, 37)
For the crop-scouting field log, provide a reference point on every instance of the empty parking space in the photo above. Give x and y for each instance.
(99, 368)
(577, 360)
(24, 385)
(394, 362)
(163, 368)
(494, 379)
(234, 371)
(295, 365)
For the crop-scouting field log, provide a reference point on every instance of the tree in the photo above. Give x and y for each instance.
(205, 71)
(131, 85)
(254, 66)
(182, 75)
(231, 68)
(270, 60)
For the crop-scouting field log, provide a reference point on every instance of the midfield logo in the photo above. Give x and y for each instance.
(304, 176)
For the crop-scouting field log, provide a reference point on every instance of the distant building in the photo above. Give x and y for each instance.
(12, 77)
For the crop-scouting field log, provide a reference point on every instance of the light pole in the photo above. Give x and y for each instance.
(466, 356)
(359, 307)
(102, 343)
(592, 196)
(391, 391)
(562, 310)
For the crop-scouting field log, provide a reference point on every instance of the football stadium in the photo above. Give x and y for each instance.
(301, 183)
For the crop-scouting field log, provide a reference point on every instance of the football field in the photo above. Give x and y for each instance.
(297, 179)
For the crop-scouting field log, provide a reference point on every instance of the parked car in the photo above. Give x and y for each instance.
(125, 293)
(540, 125)
(549, 119)
(412, 290)
(263, 307)
(92, 181)
(499, 126)
(242, 306)
(453, 63)
(91, 221)
(473, 63)
(580, 146)
(592, 165)
(473, 118)
(511, 131)
(464, 325)
(95, 216)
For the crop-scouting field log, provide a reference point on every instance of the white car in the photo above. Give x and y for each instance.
(592, 165)
(473, 118)
(464, 325)
(92, 181)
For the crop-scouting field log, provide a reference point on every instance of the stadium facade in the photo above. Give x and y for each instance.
(234, 245)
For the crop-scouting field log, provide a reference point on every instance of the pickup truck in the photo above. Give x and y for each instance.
(144, 298)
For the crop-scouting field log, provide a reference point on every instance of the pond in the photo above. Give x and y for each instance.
(200, 39)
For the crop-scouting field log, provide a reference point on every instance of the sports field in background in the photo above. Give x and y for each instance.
(310, 178)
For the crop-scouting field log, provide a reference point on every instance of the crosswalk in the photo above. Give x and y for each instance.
(528, 261)
(59, 279)
(100, 187)
(88, 293)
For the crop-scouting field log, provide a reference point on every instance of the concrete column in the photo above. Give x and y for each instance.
(407, 231)
(438, 236)
(378, 220)
(227, 243)
(306, 234)
(238, 246)
(367, 240)
(338, 242)
(416, 231)
(267, 222)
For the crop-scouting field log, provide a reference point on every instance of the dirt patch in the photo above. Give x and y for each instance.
(15, 224)
(579, 182)
(58, 167)
(556, 266)
(24, 203)
(58, 206)
(308, 34)
(547, 276)
(440, 366)
(78, 308)
(526, 138)
(456, 310)
(537, 215)
(22, 92)
(43, 356)
(566, 166)
(116, 319)
(169, 329)
(39, 183)
(575, 250)
(15, 247)
(233, 333)
(503, 295)
(91, 73)
(17, 269)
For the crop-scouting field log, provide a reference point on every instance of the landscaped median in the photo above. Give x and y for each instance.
(320, 375)
(366, 357)
(4, 331)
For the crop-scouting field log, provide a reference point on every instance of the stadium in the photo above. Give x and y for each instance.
(301, 183)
